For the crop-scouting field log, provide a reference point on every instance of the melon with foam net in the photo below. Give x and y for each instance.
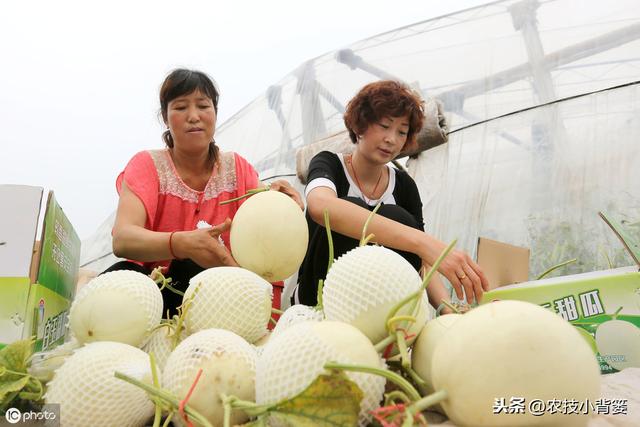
(364, 284)
(514, 349)
(269, 235)
(295, 314)
(293, 359)
(122, 306)
(228, 366)
(231, 298)
(90, 395)
(161, 344)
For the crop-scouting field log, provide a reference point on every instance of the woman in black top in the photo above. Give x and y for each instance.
(381, 119)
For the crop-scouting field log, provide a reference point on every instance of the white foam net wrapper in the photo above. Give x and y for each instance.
(365, 278)
(229, 298)
(90, 395)
(291, 361)
(228, 364)
(133, 286)
(161, 345)
(296, 314)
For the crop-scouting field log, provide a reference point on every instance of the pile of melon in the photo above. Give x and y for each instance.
(220, 361)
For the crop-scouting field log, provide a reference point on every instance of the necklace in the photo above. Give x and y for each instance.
(360, 187)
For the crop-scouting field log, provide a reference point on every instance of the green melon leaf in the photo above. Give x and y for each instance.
(330, 401)
(14, 356)
(10, 388)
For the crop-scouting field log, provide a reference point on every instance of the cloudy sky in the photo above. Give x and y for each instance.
(79, 80)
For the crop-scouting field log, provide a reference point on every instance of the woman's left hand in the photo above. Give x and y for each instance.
(283, 186)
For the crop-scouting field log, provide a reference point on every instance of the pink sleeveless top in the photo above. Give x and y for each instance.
(171, 205)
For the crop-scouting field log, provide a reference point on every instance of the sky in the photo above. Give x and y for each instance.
(79, 80)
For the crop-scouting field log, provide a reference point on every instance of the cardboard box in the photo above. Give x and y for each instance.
(37, 278)
(502, 263)
(591, 302)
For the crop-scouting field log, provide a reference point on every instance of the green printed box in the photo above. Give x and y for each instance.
(37, 278)
(603, 305)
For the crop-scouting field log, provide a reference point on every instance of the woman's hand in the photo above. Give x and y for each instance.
(461, 271)
(203, 247)
(283, 186)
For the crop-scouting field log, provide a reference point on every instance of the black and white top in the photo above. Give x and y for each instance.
(400, 202)
(329, 170)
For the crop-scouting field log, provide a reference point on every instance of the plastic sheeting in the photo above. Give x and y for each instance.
(534, 178)
(538, 179)
(481, 63)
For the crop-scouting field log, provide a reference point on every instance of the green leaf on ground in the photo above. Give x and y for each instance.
(9, 387)
(15, 382)
(330, 401)
(14, 356)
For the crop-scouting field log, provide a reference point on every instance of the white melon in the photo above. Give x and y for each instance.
(228, 366)
(269, 235)
(90, 395)
(122, 306)
(229, 298)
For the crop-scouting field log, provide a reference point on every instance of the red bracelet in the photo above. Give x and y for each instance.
(171, 246)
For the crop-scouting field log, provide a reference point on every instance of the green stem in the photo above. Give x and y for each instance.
(276, 311)
(166, 396)
(447, 304)
(156, 383)
(408, 420)
(555, 267)
(364, 240)
(320, 305)
(416, 295)
(163, 324)
(172, 289)
(390, 397)
(367, 239)
(272, 321)
(227, 414)
(414, 376)
(405, 385)
(252, 409)
(22, 374)
(247, 194)
(402, 347)
(606, 257)
(182, 310)
(614, 316)
(160, 278)
(168, 420)
(397, 319)
(428, 401)
(382, 345)
(35, 396)
(327, 226)
(8, 399)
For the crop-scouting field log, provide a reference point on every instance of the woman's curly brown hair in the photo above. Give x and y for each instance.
(386, 98)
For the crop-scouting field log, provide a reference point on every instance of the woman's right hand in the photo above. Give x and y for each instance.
(203, 247)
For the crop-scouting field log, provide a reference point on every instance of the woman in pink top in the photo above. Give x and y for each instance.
(165, 193)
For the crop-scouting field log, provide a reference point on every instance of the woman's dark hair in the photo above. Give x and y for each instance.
(182, 82)
(386, 98)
